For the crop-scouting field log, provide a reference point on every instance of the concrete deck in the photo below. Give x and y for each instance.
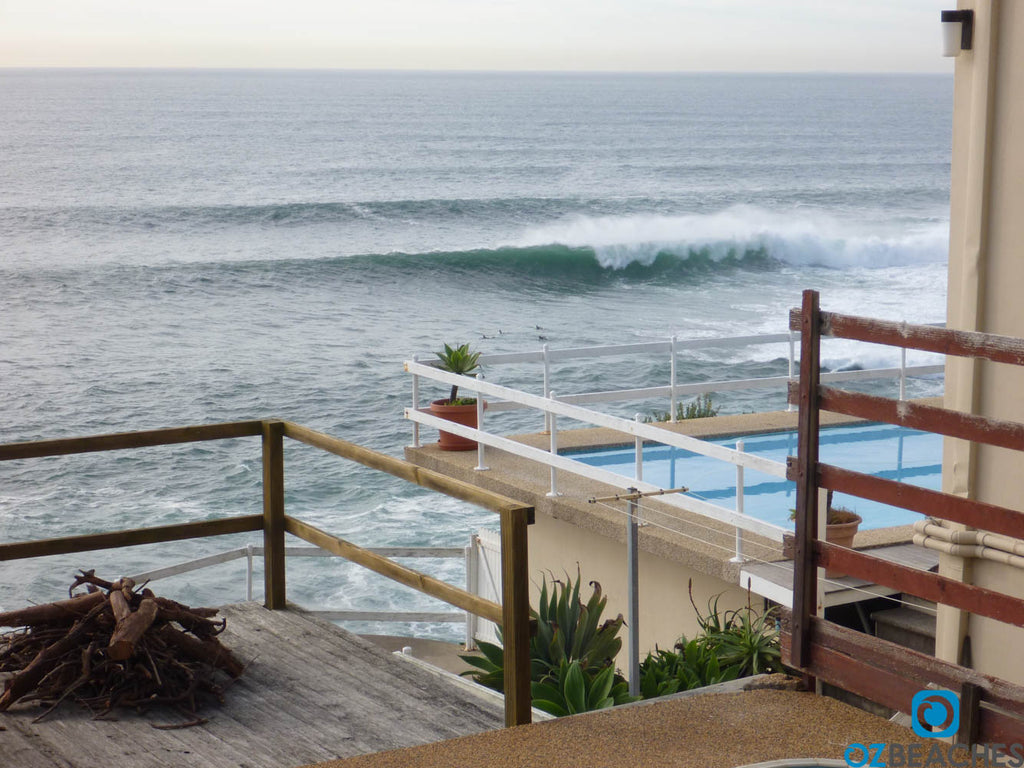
(311, 692)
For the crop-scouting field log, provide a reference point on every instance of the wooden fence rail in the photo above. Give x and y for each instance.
(513, 614)
(992, 709)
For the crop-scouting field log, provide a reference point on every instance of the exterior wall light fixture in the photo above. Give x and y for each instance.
(957, 32)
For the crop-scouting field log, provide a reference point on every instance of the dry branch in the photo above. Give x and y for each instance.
(130, 628)
(114, 646)
(62, 610)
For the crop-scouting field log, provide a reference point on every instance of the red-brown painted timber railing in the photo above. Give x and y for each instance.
(992, 710)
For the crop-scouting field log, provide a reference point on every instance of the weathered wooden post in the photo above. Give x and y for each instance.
(273, 515)
(805, 575)
(515, 604)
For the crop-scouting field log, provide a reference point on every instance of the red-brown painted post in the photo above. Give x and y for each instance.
(805, 575)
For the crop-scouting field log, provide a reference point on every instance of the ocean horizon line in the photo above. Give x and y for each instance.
(469, 71)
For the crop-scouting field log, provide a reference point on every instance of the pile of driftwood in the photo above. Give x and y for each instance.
(114, 646)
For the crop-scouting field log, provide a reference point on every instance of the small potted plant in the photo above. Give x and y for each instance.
(462, 410)
(840, 527)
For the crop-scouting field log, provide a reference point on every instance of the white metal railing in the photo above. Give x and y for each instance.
(569, 406)
(673, 390)
(555, 407)
(470, 553)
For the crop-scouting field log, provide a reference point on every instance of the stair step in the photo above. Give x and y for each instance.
(919, 604)
(909, 627)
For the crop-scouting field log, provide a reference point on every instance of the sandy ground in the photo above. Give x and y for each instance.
(722, 730)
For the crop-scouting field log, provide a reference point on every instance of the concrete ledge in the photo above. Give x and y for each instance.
(678, 536)
(666, 537)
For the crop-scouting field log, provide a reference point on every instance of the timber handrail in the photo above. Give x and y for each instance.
(513, 614)
(924, 338)
(125, 440)
(428, 585)
(866, 665)
(412, 473)
(67, 545)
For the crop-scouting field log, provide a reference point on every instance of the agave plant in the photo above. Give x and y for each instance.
(734, 643)
(693, 664)
(458, 360)
(741, 637)
(571, 640)
(571, 690)
(750, 643)
(571, 630)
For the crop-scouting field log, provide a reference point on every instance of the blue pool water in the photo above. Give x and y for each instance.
(882, 450)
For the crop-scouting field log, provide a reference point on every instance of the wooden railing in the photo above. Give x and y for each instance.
(992, 710)
(513, 614)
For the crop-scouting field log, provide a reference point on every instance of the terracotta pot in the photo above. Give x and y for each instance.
(460, 414)
(841, 534)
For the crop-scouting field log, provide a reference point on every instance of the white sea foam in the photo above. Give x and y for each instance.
(799, 238)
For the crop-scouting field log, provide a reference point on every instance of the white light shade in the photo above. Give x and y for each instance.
(952, 34)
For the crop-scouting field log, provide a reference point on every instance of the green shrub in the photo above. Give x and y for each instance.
(692, 665)
(701, 408)
(570, 690)
(730, 644)
(572, 655)
(741, 636)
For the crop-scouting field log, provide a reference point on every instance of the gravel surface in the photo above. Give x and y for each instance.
(721, 730)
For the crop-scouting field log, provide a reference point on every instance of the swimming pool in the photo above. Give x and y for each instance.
(895, 453)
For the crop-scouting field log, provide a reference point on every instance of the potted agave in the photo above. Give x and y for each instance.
(461, 410)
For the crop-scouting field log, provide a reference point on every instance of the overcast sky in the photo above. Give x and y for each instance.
(644, 35)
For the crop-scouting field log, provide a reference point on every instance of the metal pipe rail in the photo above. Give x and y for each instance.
(507, 399)
(250, 551)
(673, 390)
(559, 407)
(555, 461)
(727, 385)
(636, 429)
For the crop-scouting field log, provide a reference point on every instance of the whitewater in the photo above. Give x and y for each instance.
(182, 247)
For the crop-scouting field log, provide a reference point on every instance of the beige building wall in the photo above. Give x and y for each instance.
(986, 293)
(664, 608)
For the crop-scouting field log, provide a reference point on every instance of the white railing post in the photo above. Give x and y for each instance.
(672, 384)
(248, 573)
(792, 365)
(553, 446)
(472, 586)
(415, 404)
(639, 474)
(547, 387)
(738, 557)
(480, 466)
(903, 373)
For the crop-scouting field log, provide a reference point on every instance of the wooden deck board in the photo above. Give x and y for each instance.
(311, 692)
(370, 683)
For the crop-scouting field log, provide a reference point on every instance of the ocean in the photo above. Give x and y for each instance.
(185, 247)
